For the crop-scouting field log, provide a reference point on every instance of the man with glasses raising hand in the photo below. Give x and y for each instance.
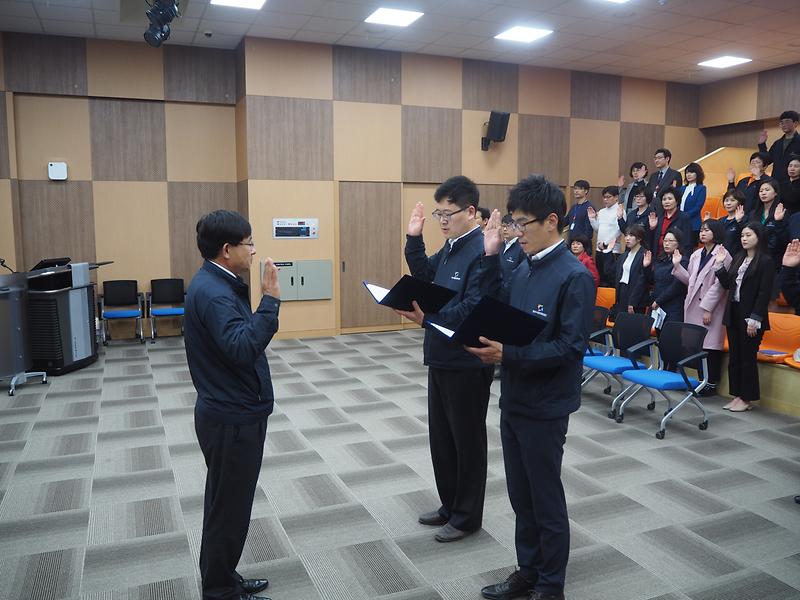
(781, 150)
(458, 383)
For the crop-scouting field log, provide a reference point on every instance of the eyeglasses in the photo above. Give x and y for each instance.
(521, 225)
(657, 156)
(785, 122)
(251, 243)
(445, 215)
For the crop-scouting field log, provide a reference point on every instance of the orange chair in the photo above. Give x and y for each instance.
(781, 340)
(711, 207)
(606, 296)
(791, 362)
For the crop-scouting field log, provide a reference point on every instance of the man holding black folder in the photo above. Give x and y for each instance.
(458, 383)
(540, 382)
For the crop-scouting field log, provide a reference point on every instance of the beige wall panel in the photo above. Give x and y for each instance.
(683, 104)
(8, 249)
(544, 91)
(431, 143)
(643, 101)
(366, 142)
(544, 147)
(366, 75)
(288, 69)
(52, 129)
(11, 128)
(5, 139)
(585, 162)
(490, 85)
(124, 69)
(687, 144)
(57, 219)
(240, 122)
(201, 142)
(431, 81)
(595, 96)
(45, 64)
(729, 101)
(267, 201)
(138, 247)
(420, 192)
(499, 164)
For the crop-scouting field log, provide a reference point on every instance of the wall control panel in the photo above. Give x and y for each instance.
(295, 229)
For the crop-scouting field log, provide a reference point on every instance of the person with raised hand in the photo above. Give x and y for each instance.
(790, 275)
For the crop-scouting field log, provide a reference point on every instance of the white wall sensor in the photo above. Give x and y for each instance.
(57, 171)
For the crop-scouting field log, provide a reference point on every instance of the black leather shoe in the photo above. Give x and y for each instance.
(432, 518)
(253, 586)
(797, 499)
(516, 585)
(448, 533)
(543, 596)
(252, 597)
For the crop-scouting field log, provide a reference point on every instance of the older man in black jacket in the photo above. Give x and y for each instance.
(225, 343)
(781, 150)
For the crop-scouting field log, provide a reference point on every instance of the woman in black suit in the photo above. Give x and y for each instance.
(639, 214)
(668, 293)
(749, 280)
(630, 281)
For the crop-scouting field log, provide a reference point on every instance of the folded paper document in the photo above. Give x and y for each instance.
(430, 297)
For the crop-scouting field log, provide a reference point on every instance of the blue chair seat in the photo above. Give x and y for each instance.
(609, 364)
(166, 312)
(121, 314)
(659, 380)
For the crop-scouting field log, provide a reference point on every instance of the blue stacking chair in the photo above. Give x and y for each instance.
(121, 293)
(629, 330)
(163, 292)
(680, 346)
(600, 343)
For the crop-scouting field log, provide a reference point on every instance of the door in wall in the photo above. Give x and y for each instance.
(370, 248)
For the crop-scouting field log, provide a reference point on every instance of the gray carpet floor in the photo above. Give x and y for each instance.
(101, 484)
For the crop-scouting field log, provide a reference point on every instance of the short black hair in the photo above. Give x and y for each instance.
(218, 228)
(794, 156)
(716, 228)
(697, 170)
(667, 154)
(790, 114)
(583, 239)
(582, 183)
(670, 190)
(637, 165)
(641, 189)
(536, 196)
(677, 233)
(766, 159)
(485, 212)
(611, 189)
(460, 190)
(635, 230)
(735, 194)
(507, 219)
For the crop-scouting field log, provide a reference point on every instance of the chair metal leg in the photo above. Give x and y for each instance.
(612, 414)
(152, 329)
(626, 401)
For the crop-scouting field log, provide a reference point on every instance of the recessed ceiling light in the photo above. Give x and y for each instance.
(393, 16)
(723, 62)
(252, 4)
(522, 34)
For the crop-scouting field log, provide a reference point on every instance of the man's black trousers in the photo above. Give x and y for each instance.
(532, 451)
(233, 456)
(457, 404)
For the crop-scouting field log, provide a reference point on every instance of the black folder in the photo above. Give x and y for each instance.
(496, 321)
(430, 297)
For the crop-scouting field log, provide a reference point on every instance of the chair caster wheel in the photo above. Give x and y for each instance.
(10, 392)
(651, 406)
(660, 434)
(612, 414)
(607, 390)
(620, 418)
(703, 426)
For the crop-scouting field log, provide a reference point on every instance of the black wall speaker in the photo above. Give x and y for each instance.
(496, 129)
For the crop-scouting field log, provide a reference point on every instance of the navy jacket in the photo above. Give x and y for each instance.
(790, 196)
(578, 222)
(790, 286)
(654, 188)
(633, 218)
(733, 234)
(694, 204)
(780, 159)
(668, 292)
(750, 190)
(511, 259)
(225, 346)
(456, 269)
(794, 228)
(777, 232)
(543, 380)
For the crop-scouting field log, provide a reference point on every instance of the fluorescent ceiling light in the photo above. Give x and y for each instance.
(723, 62)
(253, 4)
(522, 34)
(393, 16)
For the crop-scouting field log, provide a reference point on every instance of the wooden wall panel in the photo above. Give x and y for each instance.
(544, 91)
(737, 135)
(778, 90)
(241, 70)
(187, 202)
(288, 69)
(289, 138)
(240, 123)
(490, 86)
(16, 213)
(124, 69)
(728, 101)
(10, 116)
(544, 147)
(139, 246)
(596, 96)
(45, 64)
(683, 104)
(5, 163)
(367, 144)
(8, 249)
(128, 140)
(494, 196)
(370, 217)
(431, 143)
(242, 198)
(53, 128)
(201, 142)
(57, 219)
(365, 75)
(643, 101)
(637, 142)
(497, 165)
(193, 74)
(2, 66)
(594, 151)
(431, 80)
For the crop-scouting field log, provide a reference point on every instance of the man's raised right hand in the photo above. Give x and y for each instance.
(269, 280)
(417, 220)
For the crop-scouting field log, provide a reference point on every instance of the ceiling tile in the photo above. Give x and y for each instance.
(229, 13)
(72, 3)
(180, 38)
(776, 4)
(627, 34)
(318, 37)
(662, 19)
(706, 8)
(22, 24)
(279, 19)
(218, 40)
(344, 10)
(511, 15)
(424, 36)
(596, 44)
(441, 50)
(588, 27)
(222, 27)
(182, 24)
(361, 41)
(482, 28)
(402, 45)
(471, 9)
(475, 54)
(110, 17)
(111, 5)
(441, 22)
(121, 32)
(266, 31)
(17, 9)
(68, 28)
(340, 26)
(701, 27)
(196, 10)
(64, 13)
(300, 7)
(460, 40)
